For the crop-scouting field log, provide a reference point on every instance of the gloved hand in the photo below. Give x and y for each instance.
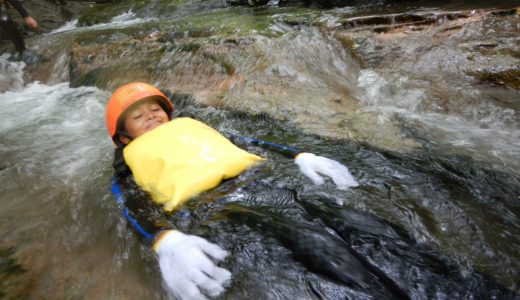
(186, 267)
(310, 165)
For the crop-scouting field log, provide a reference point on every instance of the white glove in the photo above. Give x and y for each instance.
(186, 267)
(310, 165)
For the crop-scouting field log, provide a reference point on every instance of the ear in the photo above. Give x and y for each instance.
(124, 140)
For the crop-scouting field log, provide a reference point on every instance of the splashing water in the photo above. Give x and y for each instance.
(487, 131)
(54, 152)
(71, 25)
(11, 74)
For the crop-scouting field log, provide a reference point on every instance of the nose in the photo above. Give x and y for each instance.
(150, 115)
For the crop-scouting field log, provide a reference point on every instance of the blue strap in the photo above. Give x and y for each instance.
(264, 144)
(121, 200)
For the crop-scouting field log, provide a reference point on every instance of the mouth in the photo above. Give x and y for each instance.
(153, 124)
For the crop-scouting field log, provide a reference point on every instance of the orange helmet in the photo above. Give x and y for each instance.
(127, 95)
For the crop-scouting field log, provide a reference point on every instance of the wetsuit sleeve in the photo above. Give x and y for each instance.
(143, 216)
(18, 6)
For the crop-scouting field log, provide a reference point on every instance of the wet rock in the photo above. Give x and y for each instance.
(480, 45)
(248, 2)
(291, 76)
(238, 73)
(508, 78)
(15, 281)
(400, 34)
(120, 62)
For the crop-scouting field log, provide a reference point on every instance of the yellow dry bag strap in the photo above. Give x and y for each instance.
(182, 158)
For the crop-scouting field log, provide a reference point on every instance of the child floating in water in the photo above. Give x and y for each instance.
(173, 160)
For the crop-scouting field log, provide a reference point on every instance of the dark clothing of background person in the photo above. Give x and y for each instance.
(9, 26)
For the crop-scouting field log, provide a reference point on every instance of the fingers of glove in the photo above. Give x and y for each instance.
(202, 245)
(179, 284)
(185, 265)
(221, 274)
(189, 290)
(338, 172)
(206, 265)
(211, 249)
(311, 164)
(305, 165)
(312, 175)
(188, 269)
(335, 170)
(202, 263)
(207, 283)
(343, 180)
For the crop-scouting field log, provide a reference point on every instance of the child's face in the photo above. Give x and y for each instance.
(143, 117)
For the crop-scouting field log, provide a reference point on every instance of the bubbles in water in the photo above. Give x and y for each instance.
(11, 73)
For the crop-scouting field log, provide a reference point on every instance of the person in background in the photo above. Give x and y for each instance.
(10, 27)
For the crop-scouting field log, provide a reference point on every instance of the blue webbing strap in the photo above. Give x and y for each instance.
(264, 144)
(121, 200)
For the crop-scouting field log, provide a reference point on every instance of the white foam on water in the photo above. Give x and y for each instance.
(497, 145)
(312, 58)
(56, 127)
(70, 25)
(123, 20)
(379, 91)
(11, 73)
(480, 129)
(128, 16)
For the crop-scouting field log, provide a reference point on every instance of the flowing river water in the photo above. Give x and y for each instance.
(437, 209)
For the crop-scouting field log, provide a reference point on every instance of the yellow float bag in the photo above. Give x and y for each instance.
(182, 158)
